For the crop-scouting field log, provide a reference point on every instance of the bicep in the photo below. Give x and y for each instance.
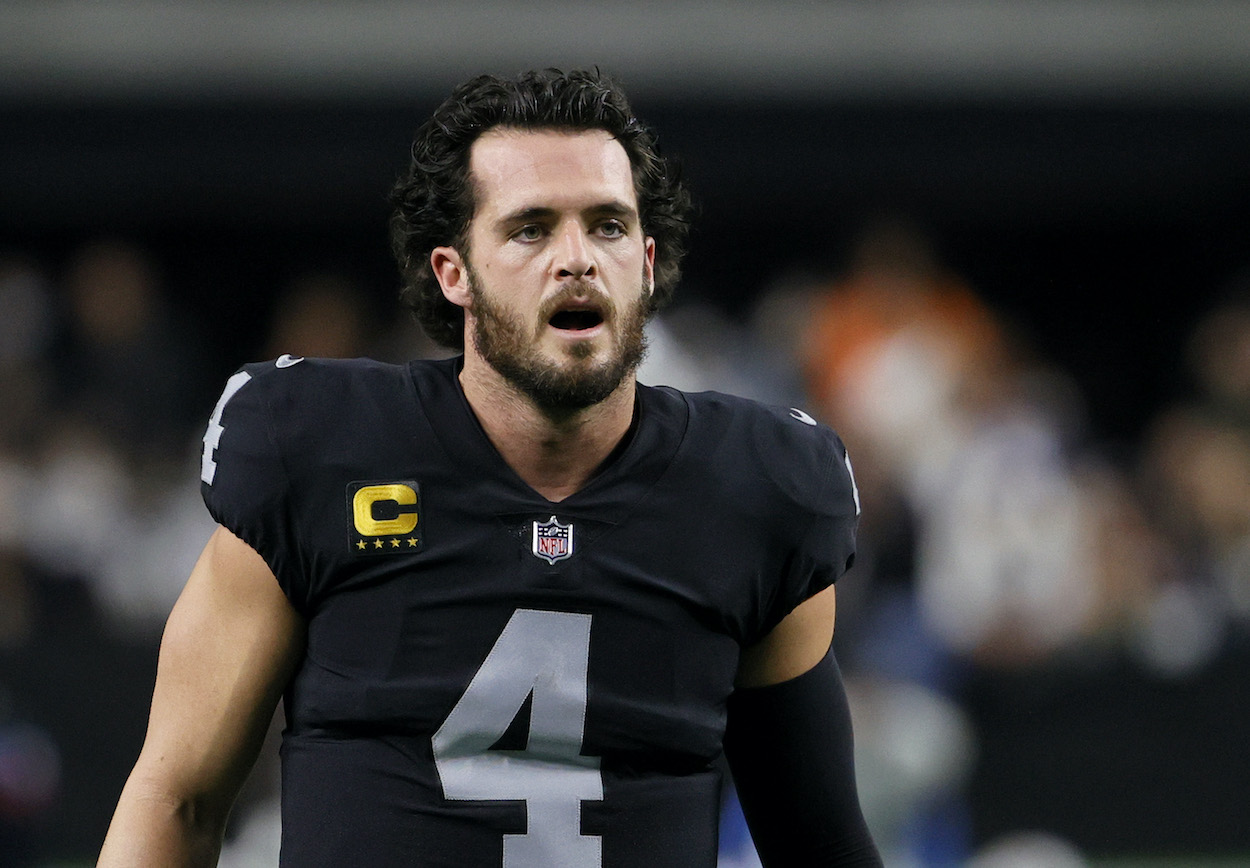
(229, 647)
(794, 646)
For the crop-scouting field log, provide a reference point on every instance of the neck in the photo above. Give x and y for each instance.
(555, 452)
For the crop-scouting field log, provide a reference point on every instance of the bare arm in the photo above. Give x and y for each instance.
(230, 645)
(792, 647)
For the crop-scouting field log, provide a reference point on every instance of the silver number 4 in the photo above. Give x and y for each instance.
(544, 654)
(212, 436)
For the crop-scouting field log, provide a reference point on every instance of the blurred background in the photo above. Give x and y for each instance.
(1001, 247)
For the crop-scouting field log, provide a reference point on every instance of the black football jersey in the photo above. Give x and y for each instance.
(491, 678)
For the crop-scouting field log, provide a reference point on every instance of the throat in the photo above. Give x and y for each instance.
(556, 479)
(556, 455)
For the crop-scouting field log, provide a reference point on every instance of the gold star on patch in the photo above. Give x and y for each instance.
(394, 543)
(377, 543)
(361, 545)
(412, 542)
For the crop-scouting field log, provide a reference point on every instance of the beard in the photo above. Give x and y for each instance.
(510, 346)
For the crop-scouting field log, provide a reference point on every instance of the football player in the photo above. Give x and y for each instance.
(517, 604)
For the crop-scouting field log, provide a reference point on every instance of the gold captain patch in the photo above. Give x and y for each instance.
(384, 518)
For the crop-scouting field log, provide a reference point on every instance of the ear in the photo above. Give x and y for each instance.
(648, 268)
(452, 274)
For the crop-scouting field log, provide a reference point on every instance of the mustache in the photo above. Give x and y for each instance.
(578, 294)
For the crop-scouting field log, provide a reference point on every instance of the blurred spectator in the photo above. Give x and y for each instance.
(919, 375)
(128, 367)
(1218, 356)
(984, 542)
(896, 349)
(1195, 469)
(964, 438)
(1133, 561)
(102, 422)
(321, 314)
(1003, 569)
(27, 330)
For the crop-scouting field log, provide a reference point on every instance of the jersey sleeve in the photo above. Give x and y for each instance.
(243, 479)
(821, 542)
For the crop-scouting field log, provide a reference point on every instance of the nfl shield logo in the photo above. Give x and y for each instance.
(553, 541)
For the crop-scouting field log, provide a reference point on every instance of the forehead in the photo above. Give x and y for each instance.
(515, 169)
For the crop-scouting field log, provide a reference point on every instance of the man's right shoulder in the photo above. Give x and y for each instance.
(292, 373)
(287, 431)
(294, 406)
(298, 391)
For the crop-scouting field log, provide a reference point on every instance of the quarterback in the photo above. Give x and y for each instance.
(516, 604)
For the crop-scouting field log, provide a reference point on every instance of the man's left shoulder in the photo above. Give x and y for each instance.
(770, 427)
(783, 445)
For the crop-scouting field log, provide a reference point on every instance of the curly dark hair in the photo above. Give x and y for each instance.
(433, 199)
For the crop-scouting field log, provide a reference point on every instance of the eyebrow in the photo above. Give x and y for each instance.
(613, 208)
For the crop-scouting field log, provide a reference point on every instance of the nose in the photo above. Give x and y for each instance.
(574, 257)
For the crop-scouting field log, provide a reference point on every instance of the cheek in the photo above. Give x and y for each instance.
(518, 275)
(629, 262)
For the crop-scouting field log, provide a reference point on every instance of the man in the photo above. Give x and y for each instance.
(516, 603)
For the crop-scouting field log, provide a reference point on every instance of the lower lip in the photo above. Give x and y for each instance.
(578, 334)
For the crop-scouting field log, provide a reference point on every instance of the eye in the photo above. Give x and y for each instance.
(528, 232)
(612, 229)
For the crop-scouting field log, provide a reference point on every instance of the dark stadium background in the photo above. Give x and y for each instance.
(1099, 228)
(1100, 220)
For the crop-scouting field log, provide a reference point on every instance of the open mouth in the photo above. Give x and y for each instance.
(576, 320)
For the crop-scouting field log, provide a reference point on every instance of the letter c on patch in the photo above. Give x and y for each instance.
(400, 498)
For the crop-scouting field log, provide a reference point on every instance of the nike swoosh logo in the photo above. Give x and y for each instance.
(796, 413)
(286, 360)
